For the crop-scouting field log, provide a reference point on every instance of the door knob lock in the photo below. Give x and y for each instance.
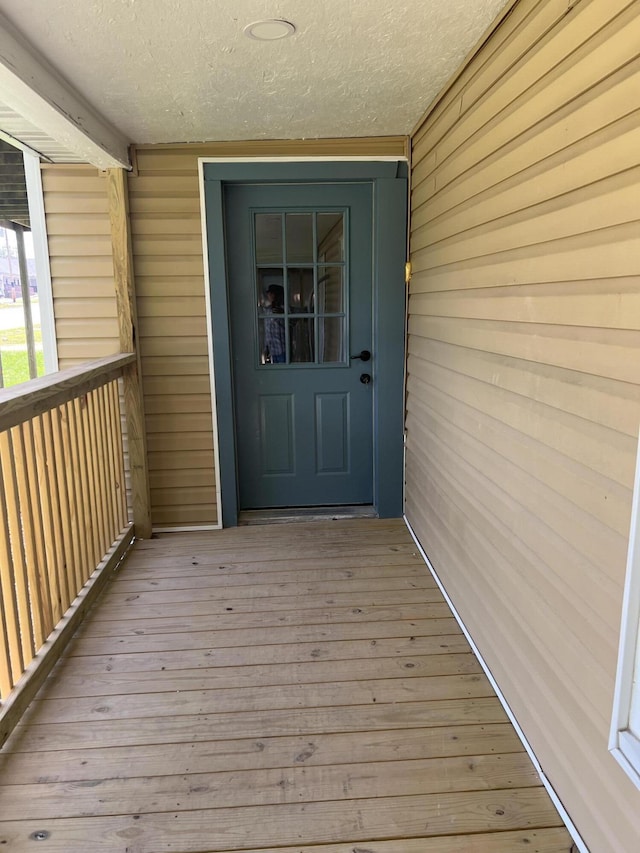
(365, 355)
(365, 378)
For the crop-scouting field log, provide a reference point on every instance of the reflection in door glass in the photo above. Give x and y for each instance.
(299, 231)
(268, 238)
(271, 330)
(330, 290)
(331, 340)
(330, 234)
(301, 340)
(270, 294)
(301, 296)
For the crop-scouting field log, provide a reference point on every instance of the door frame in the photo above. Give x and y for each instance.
(388, 177)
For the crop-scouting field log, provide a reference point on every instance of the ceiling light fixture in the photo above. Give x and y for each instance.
(270, 30)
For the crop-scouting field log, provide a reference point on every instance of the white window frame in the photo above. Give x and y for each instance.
(624, 745)
(38, 223)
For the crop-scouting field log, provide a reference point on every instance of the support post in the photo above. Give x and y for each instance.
(26, 301)
(127, 323)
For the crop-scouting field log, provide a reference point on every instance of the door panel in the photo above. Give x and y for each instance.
(299, 261)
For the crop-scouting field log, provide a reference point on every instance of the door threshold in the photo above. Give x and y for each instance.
(304, 513)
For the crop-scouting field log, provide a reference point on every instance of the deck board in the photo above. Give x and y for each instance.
(243, 691)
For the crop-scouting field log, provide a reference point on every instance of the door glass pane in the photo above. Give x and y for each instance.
(331, 340)
(301, 298)
(270, 283)
(299, 238)
(268, 238)
(330, 233)
(331, 290)
(301, 340)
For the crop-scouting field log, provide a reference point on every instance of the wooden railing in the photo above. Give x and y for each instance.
(63, 516)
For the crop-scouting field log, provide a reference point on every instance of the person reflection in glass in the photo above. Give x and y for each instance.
(275, 344)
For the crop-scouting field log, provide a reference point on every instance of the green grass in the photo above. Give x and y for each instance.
(15, 366)
(19, 336)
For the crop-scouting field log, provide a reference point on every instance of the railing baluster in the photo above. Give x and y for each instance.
(109, 486)
(7, 582)
(16, 546)
(53, 480)
(26, 522)
(83, 484)
(38, 529)
(6, 681)
(91, 477)
(65, 506)
(54, 556)
(111, 457)
(98, 472)
(118, 460)
(77, 576)
(76, 490)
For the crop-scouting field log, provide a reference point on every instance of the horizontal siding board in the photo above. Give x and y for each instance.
(184, 516)
(74, 352)
(169, 441)
(602, 121)
(603, 401)
(180, 460)
(175, 496)
(602, 303)
(602, 204)
(607, 253)
(62, 225)
(177, 385)
(73, 288)
(164, 224)
(546, 524)
(156, 404)
(528, 21)
(177, 305)
(184, 478)
(67, 308)
(570, 60)
(174, 422)
(523, 393)
(151, 287)
(158, 346)
(600, 352)
(594, 495)
(569, 679)
(176, 327)
(187, 365)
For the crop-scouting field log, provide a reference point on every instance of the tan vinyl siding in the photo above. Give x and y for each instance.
(79, 232)
(167, 243)
(523, 382)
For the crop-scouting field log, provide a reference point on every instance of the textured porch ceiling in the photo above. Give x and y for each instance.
(182, 70)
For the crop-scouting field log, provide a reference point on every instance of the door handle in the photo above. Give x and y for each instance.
(365, 355)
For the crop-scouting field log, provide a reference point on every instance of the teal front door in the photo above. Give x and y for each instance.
(299, 264)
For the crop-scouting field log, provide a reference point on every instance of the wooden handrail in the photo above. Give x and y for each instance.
(23, 402)
(64, 521)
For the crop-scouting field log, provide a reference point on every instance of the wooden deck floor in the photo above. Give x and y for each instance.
(296, 686)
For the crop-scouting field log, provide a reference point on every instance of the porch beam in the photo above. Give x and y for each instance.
(127, 324)
(34, 89)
